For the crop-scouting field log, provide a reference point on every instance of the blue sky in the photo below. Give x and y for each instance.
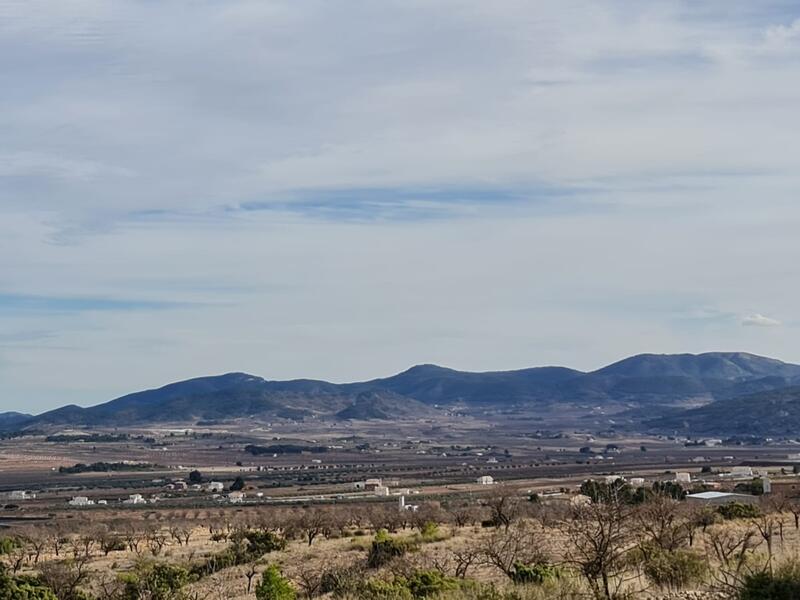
(341, 190)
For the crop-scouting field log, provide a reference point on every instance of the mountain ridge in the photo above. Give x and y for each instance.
(643, 379)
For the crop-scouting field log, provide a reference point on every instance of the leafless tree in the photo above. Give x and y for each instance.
(65, 577)
(660, 523)
(599, 537)
(504, 505)
(522, 542)
(731, 547)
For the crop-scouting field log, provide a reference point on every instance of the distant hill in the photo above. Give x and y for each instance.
(12, 418)
(772, 413)
(647, 380)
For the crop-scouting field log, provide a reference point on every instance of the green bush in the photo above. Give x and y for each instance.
(427, 584)
(274, 586)
(157, 581)
(784, 584)
(8, 545)
(378, 589)
(537, 574)
(23, 588)
(737, 510)
(675, 569)
(384, 549)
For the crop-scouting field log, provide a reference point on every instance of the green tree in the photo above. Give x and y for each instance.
(274, 586)
(237, 485)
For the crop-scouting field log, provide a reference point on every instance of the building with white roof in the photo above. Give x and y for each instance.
(717, 498)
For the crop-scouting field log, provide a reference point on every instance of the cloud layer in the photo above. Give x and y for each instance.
(342, 189)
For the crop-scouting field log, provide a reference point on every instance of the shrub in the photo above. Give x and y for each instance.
(8, 545)
(737, 510)
(675, 569)
(425, 584)
(378, 589)
(384, 549)
(23, 588)
(342, 581)
(158, 582)
(537, 573)
(784, 584)
(274, 586)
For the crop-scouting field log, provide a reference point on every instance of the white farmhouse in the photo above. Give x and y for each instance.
(135, 499)
(485, 480)
(81, 501)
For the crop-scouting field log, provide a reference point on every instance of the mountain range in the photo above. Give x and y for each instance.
(653, 383)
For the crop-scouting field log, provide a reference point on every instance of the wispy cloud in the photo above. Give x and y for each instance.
(64, 304)
(260, 186)
(759, 320)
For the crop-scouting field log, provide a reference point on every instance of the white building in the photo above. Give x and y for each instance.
(135, 499)
(742, 472)
(21, 495)
(80, 501)
(716, 498)
(215, 486)
(683, 477)
(401, 504)
(637, 481)
(485, 480)
(381, 490)
(236, 497)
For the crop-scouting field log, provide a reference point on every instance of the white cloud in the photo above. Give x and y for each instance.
(759, 320)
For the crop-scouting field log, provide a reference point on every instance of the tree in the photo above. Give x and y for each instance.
(659, 522)
(732, 547)
(274, 586)
(195, 477)
(237, 485)
(312, 522)
(669, 489)
(66, 577)
(598, 538)
(504, 506)
(515, 549)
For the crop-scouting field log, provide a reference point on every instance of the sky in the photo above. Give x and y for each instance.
(341, 190)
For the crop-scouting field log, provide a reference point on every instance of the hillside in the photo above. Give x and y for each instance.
(773, 413)
(649, 381)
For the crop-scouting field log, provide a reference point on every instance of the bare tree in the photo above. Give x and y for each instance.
(65, 577)
(731, 547)
(251, 570)
(765, 523)
(599, 537)
(504, 506)
(521, 543)
(659, 522)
